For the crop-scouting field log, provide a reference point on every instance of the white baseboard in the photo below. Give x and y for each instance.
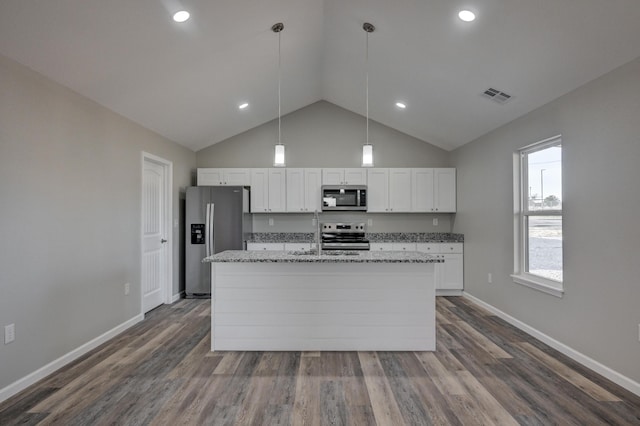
(177, 297)
(627, 383)
(43, 372)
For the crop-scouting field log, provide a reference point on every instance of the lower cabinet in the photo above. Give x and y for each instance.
(449, 275)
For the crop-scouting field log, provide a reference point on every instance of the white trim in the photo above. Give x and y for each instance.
(540, 284)
(23, 383)
(624, 381)
(167, 292)
(448, 292)
(177, 297)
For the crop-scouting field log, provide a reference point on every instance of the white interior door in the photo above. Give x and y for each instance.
(154, 234)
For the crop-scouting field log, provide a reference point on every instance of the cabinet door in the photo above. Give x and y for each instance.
(295, 190)
(206, 176)
(237, 177)
(333, 176)
(355, 176)
(445, 190)
(259, 190)
(399, 190)
(277, 190)
(378, 190)
(422, 190)
(312, 184)
(451, 273)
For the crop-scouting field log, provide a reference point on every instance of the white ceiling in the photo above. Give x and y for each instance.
(185, 81)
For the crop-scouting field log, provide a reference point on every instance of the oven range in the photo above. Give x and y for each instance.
(344, 236)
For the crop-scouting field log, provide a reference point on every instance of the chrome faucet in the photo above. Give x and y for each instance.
(316, 216)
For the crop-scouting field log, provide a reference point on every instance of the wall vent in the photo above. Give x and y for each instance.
(496, 95)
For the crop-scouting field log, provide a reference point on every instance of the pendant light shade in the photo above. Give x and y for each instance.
(279, 157)
(367, 148)
(278, 160)
(367, 155)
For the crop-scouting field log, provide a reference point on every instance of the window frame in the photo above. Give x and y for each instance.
(522, 213)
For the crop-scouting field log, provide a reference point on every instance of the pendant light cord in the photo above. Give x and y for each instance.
(279, 79)
(367, 84)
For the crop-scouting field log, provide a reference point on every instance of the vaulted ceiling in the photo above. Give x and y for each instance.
(185, 81)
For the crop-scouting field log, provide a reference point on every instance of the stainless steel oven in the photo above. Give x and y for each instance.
(344, 198)
(344, 236)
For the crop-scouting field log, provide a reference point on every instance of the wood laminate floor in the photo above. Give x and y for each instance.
(484, 372)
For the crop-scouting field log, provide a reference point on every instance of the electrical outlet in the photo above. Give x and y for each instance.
(314, 222)
(490, 278)
(127, 289)
(9, 333)
(270, 221)
(369, 222)
(435, 221)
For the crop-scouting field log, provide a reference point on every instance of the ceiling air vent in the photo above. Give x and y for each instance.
(496, 95)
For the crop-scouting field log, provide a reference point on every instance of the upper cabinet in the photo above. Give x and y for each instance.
(444, 190)
(434, 190)
(389, 190)
(224, 176)
(268, 190)
(352, 176)
(303, 190)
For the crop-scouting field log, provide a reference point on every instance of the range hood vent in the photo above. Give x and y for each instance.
(496, 95)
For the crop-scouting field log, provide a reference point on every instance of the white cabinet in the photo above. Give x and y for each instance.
(393, 247)
(444, 190)
(268, 190)
(389, 190)
(434, 190)
(303, 190)
(352, 176)
(449, 275)
(224, 176)
(381, 246)
(297, 246)
(265, 246)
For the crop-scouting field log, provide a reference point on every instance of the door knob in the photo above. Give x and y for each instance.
(163, 241)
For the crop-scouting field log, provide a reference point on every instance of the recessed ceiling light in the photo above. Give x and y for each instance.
(243, 106)
(467, 15)
(401, 105)
(181, 16)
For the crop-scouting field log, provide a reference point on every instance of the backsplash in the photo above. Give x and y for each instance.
(380, 222)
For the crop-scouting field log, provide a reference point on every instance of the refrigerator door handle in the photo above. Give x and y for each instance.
(212, 228)
(206, 232)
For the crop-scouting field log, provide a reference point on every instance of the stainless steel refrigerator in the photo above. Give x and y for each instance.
(217, 219)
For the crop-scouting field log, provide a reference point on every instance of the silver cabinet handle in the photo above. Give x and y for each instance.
(162, 241)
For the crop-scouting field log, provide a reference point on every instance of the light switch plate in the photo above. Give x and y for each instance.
(9, 333)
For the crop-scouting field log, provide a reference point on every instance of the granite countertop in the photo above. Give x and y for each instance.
(374, 237)
(328, 256)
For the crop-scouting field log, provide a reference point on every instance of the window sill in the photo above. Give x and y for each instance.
(553, 288)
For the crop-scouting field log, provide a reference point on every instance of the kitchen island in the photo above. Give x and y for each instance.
(295, 301)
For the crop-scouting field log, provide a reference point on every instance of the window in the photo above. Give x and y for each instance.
(538, 219)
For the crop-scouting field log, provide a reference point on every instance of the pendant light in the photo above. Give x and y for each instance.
(278, 160)
(367, 148)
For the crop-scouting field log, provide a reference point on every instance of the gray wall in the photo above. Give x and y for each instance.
(325, 135)
(322, 135)
(600, 126)
(70, 190)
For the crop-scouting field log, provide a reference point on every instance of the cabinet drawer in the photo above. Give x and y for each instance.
(297, 246)
(446, 248)
(381, 247)
(404, 246)
(432, 248)
(265, 246)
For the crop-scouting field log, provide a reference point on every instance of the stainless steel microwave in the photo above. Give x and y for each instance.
(344, 198)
